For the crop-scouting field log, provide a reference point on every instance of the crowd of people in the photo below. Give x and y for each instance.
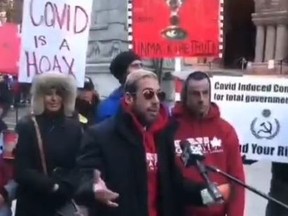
(77, 155)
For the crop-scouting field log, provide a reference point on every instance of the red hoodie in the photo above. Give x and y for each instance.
(151, 155)
(220, 145)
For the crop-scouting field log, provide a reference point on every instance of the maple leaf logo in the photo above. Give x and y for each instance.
(216, 143)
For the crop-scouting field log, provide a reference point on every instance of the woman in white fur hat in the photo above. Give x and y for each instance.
(46, 180)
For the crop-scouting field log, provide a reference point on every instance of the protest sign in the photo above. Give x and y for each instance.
(9, 48)
(177, 28)
(256, 107)
(54, 38)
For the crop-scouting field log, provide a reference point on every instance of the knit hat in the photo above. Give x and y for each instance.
(121, 62)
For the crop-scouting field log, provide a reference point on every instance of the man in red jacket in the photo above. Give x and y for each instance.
(200, 123)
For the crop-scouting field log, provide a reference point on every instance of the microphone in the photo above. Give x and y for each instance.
(192, 155)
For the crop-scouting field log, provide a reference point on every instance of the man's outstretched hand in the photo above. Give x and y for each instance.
(102, 193)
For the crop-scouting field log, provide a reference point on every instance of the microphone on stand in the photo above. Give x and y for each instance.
(192, 156)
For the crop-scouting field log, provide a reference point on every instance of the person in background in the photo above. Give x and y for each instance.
(86, 103)
(200, 123)
(6, 178)
(25, 93)
(15, 88)
(46, 182)
(8, 186)
(5, 97)
(3, 125)
(278, 187)
(6, 174)
(120, 67)
(134, 151)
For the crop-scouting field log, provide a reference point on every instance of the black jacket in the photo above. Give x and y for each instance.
(87, 110)
(280, 172)
(115, 148)
(61, 140)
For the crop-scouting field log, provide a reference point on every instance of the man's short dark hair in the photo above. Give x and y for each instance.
(196, 75)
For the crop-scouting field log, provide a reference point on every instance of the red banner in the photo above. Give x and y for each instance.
(170, 28)
(9, 49)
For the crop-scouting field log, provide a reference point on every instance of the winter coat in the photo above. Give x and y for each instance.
(87, 110)
(116, 148)
(61, 139)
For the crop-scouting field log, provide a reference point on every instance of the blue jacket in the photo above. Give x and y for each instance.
(110, 106)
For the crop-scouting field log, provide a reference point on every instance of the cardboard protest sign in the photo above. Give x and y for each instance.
(55, 38)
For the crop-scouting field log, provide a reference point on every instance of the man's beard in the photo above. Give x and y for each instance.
(142, 119)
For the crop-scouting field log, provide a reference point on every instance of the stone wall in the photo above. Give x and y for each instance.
(108, 37)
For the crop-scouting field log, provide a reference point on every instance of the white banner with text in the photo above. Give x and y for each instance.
(54, 38)
(257, 108)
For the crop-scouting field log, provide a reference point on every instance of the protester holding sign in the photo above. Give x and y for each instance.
(201, 125)
(48, 142)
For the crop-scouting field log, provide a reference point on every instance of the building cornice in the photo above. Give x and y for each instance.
(269, 17)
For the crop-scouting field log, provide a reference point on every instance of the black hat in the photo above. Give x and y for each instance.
(121, 62)
(88, 84)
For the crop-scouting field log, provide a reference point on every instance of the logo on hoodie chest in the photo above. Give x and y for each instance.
(205, 144)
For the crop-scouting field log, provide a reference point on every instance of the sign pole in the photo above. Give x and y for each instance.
(129, 24)
(178, 64)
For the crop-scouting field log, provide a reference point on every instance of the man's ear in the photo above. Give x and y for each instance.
(128, 98)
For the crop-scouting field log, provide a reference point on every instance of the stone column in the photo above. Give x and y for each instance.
(281, 42)
(260, 40)
(270, 42)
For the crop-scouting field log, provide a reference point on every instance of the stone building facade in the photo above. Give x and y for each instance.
(108, 37)
(271, 21)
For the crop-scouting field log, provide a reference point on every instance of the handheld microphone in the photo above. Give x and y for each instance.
(192, 155)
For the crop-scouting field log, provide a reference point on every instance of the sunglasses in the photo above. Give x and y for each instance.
(149, 94)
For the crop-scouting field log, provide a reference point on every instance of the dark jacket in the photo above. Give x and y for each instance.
(115, 147)
(61, 139)
(87, 110)
(279, 172)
